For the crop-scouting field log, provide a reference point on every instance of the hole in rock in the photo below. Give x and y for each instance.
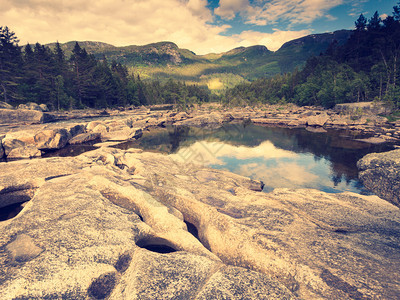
(192, 229)
(140, 217)
(102, 286)
(10, 211)
(123, 262)
(195, 232)
(157, 245)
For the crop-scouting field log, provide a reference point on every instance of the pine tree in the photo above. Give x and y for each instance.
(10, 65)
(374, 24)
(361, 23)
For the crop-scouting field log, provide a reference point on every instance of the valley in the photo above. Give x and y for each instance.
(218, 71)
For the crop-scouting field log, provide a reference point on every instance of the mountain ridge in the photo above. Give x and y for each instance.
(163, 60)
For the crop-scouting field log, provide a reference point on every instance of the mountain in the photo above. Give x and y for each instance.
(217, 70)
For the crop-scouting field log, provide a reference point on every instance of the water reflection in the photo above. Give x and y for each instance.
(280, 157)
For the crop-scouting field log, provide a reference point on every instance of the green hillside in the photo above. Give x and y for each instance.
(216, 70)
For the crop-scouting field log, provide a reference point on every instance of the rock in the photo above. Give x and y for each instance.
(308, 240)
(84, 137)
(380, 173)
(44, 107)
(116, 125)
(179, 116)
(92, 125)
(204, 120)
(363, 107)
(96, 234)
(337, 122)
(30, 106)
(271, 121)
(2, 152)
(373, 140)
(27, 151)
(74, 130)
(18, 139)
(4, 105)
(23, 249)
(316, 129)
(52, 139)
(297, 123)
(34, 106)
(122, 135)
(318, 120)
(8, 116)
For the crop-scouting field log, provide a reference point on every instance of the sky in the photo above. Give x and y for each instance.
(202, 26)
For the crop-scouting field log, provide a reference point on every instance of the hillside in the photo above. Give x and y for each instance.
(217, 70)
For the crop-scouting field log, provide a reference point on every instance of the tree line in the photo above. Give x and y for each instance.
(43, 75)
(365, 68)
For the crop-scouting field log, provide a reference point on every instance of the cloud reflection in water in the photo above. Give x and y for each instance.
(276, 167)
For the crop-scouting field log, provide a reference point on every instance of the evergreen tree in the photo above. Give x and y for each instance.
(374, 24)
(361, 23)
(10, 65)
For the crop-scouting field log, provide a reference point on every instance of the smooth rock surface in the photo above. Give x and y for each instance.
(77, 239)
(380, 173)
(22, 116)
(97, 215)
(84, 137)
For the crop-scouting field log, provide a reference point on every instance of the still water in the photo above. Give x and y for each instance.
(280, 157)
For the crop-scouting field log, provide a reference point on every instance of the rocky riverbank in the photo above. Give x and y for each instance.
(132, 225)
(29, 133)
(135, 225)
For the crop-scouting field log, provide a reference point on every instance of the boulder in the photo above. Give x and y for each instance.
(20, 116)
(23, 139)
(4, 105)
(27, 151)
(380, 173)
(84, 138)
(51, 139)
(74, 130)
(44, 107)
(92, 125)
(318, 120)
(297, 123)
(122, 135)
(31, 106)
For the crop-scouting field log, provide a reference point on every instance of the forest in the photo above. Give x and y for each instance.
(365, 68)
(43, 75)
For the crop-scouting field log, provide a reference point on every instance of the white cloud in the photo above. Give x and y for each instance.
(273, 41)
(294, 11)
(123, 22)
(207, 153)
(229, 8)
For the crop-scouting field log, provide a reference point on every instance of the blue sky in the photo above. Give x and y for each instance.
(203, 26)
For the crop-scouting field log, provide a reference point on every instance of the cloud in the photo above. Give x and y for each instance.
(188, 23)
(229, 8)
(273, 41)
(293, 11)
(212, 153)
